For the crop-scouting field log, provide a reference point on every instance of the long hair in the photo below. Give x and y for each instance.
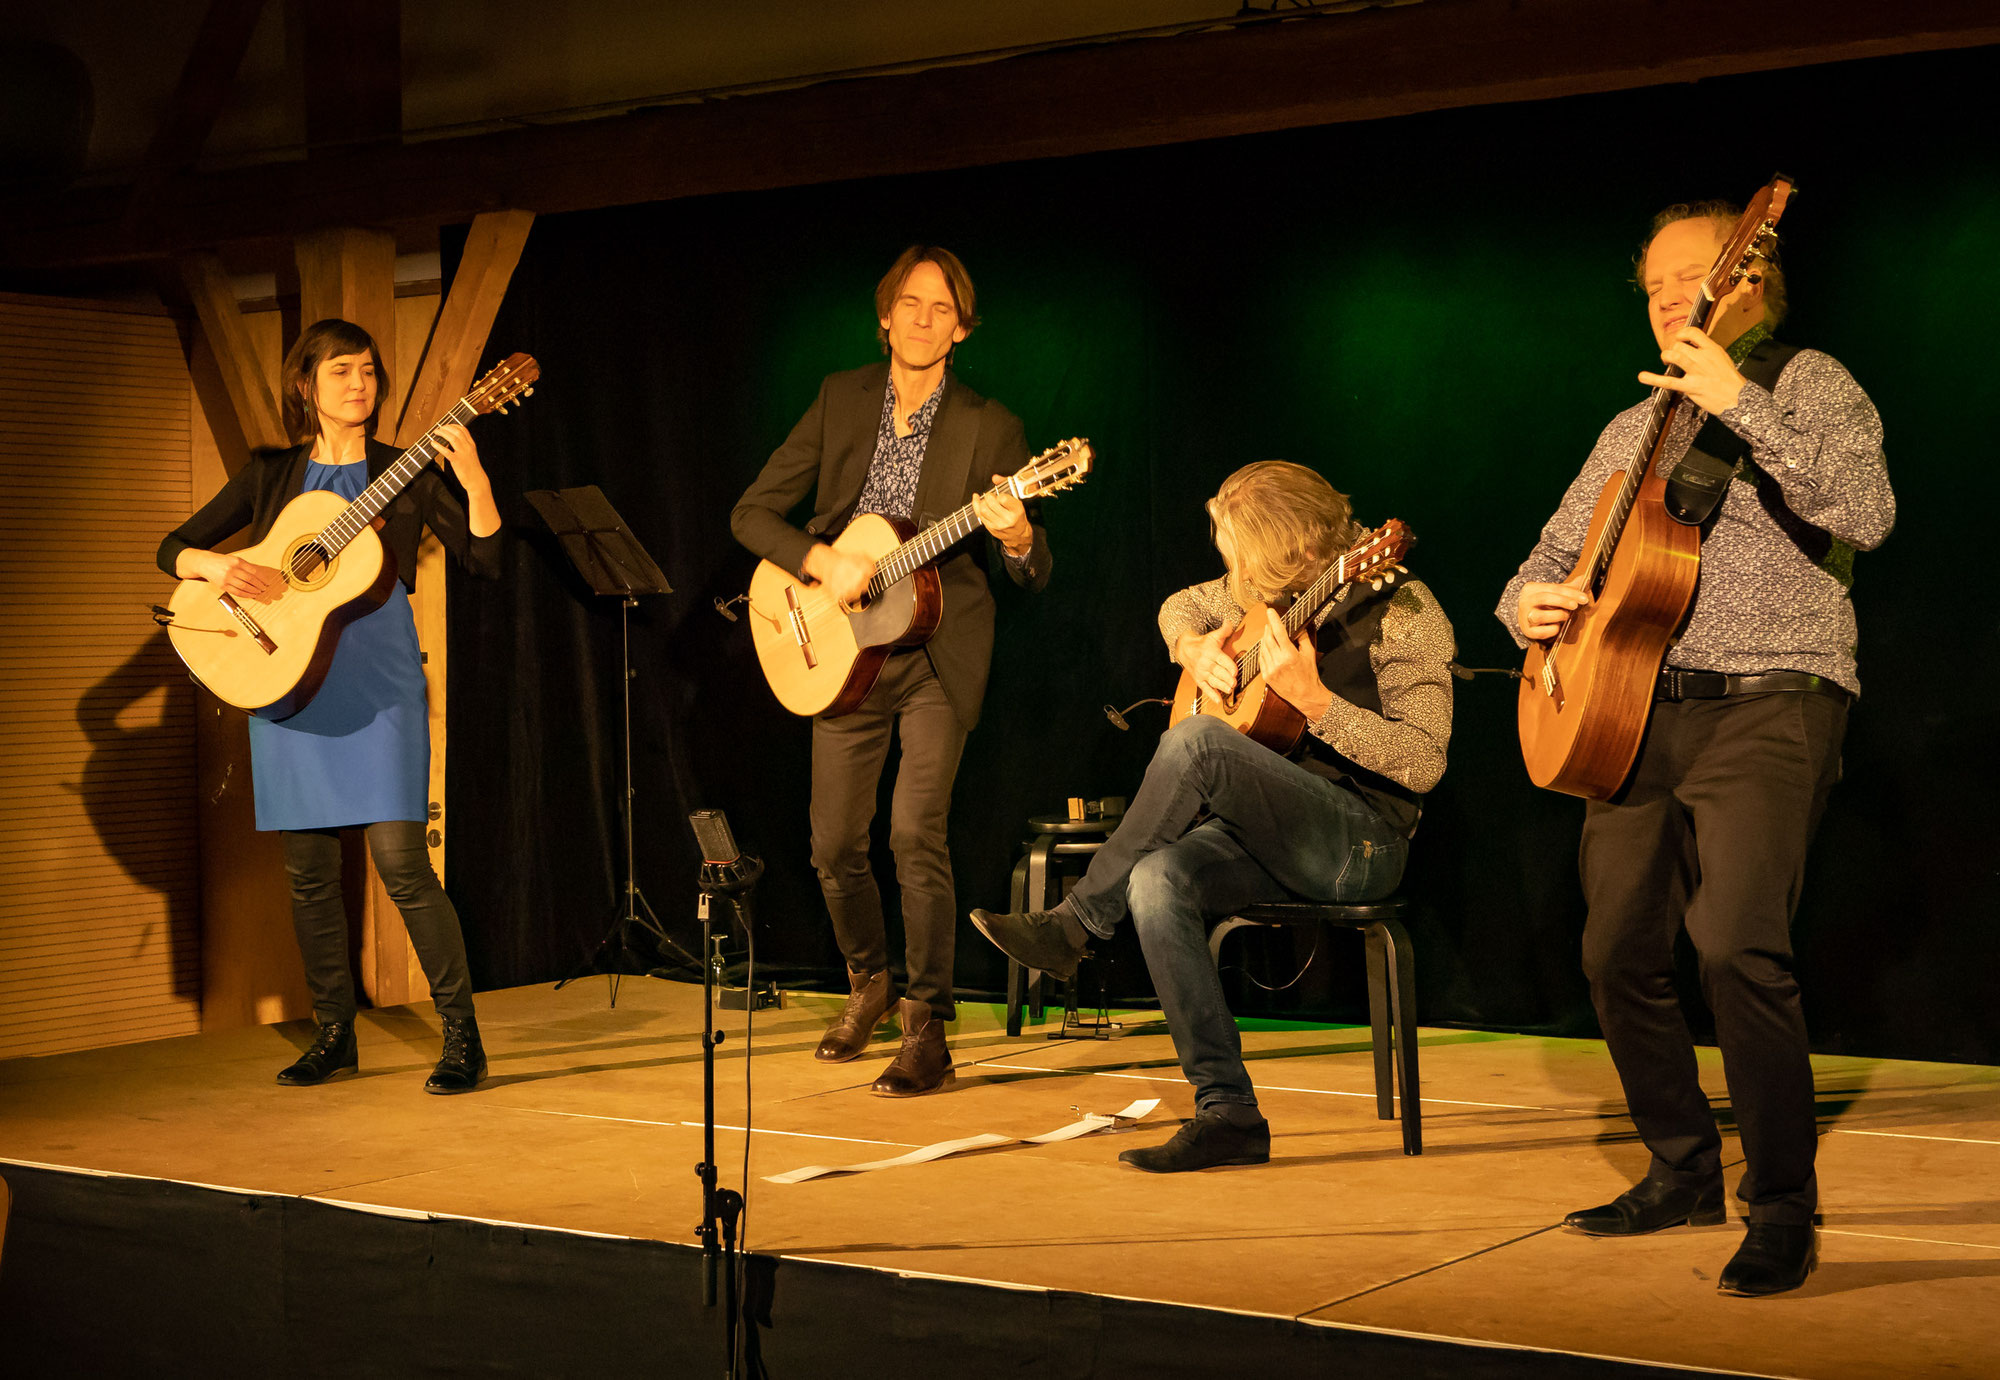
(1724, 214)
(1284, 523)
(317, 343)
(956, 279)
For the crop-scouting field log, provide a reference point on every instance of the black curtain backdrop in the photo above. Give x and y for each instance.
(1436, 312)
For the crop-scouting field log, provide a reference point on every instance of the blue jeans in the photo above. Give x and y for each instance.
(1275, 832)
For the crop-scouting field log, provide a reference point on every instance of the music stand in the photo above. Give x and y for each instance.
(613, 563)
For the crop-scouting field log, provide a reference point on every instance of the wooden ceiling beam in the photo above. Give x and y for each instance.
(206, 78)
(214, 299)
(1267, 76)
(492, 251)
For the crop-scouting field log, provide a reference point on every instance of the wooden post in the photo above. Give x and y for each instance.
(457, 340)
(350, 274)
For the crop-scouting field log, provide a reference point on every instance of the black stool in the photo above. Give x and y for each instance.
(1038, 886)
(1392, 992)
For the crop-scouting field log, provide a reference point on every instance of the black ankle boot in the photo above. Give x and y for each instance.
(331, 1054)
(464, 1063)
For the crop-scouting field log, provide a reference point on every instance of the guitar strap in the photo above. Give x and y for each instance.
(1698, 483)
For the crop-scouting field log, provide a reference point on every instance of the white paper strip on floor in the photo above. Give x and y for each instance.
(1094, 1121)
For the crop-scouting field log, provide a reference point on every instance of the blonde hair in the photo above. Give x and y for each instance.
(1284, 523)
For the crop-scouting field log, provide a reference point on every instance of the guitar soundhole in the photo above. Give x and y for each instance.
(307, 565)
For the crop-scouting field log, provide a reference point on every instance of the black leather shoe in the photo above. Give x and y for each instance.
(1033, 939)
(331, 1054)
(1772, 1259)
(1204, 1143)
(464, 1061)
(1652, 1205)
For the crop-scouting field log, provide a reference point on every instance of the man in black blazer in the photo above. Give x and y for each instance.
(907, 439)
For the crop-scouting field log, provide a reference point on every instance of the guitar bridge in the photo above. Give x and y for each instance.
(800, 635)
(250, 624)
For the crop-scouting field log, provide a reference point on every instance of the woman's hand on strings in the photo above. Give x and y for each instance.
(244, 579)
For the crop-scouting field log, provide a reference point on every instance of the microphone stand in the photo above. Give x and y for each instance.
(720, 1207)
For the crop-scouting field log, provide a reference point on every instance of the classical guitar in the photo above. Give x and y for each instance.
(271, 656)
(1255, 709)
(1586, 694)
(822, 657)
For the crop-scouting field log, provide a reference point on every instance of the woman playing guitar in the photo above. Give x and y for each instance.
(358, 754)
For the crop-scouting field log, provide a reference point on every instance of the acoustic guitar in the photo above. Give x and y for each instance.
(271, 656)
(822, 657)
(1587, 693)
(1255, 709)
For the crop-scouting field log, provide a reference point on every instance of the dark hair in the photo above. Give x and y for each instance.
(317, 343)
(1724, 214)
(956, 280)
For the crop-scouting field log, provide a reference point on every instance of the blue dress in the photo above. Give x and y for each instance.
(359, 753)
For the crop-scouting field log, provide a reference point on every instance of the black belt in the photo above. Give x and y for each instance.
(1676, 684)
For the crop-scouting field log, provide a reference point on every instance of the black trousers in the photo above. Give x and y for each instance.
(1711, 834)
(312, 860)
(848, 755)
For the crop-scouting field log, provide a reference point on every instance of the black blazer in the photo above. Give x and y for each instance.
(828, 455)
(257, 493)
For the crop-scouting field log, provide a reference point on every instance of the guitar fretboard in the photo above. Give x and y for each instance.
(924, 548)
(368, 505)
(1658, 418)
(1308, 603)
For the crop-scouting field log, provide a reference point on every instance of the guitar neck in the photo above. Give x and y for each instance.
(1314, 597)
(1659, 418)
(368, 505)
(923, 548)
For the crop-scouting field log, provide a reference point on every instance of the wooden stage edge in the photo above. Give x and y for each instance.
(544, 1225)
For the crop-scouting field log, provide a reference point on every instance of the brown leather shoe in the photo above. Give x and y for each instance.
(869, 998)
(923, 1064)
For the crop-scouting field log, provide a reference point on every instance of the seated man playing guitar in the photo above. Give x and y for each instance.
(1330, 822)
(905, 439)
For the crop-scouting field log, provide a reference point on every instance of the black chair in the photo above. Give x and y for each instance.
(1392, 992)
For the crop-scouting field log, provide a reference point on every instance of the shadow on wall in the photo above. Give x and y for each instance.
(139, 723)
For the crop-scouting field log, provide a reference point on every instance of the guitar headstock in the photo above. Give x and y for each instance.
(1754, 241)
(1054, 470)
(512, 379)
(1377, 557)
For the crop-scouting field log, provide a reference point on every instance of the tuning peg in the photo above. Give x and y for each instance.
(527, 392)
(1403, 568)
(1375, 584)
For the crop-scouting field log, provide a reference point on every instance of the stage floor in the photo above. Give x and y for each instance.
(591, 1121)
